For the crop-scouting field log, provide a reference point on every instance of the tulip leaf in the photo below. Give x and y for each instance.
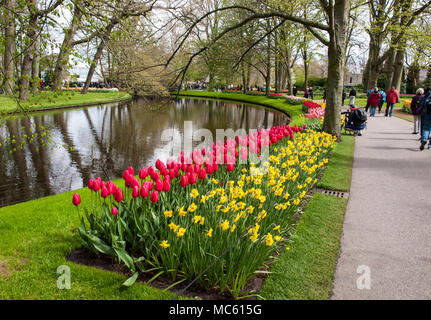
(131, 280)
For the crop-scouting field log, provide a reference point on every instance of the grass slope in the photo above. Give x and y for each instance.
(294, 111)
(47, 99)
(306, 271)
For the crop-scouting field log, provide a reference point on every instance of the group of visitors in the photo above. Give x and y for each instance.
(308, 93)
(421, 110)
(376, 98)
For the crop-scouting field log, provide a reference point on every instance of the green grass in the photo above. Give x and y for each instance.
(47, 99)
(306, 271)
(338, 174)
(293, 111)
(35, 238)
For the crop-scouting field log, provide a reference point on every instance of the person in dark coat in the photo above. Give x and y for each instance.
(310, 93)
(352, 96)
(344, 96)
(306, 93)
(295, 90)
(425, 106)
(416, 110)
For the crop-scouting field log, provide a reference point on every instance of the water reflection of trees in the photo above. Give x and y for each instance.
(107, 139)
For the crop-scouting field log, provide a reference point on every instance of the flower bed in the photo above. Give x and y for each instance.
(315, 112)
(208, 208)
(406, 106)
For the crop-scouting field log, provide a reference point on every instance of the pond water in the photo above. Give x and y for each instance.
(106, 139)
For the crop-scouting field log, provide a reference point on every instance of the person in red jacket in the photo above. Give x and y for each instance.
(392, 97)
(374, 101)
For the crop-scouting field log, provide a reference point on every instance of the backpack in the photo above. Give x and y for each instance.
(361, 116)
(427, 105)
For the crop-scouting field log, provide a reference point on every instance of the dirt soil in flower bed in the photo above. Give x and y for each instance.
(87, 258)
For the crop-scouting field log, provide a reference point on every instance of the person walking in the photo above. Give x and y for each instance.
(392, 97)
(382, 99)
(294, 91)
(352, 96)
(310, 93)
(425, 106)
(416, 110)
(306, 93)
(368, 95)
(373, 101)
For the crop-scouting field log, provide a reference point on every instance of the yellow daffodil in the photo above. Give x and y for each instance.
(165, 244)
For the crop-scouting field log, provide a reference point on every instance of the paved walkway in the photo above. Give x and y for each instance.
(387, 225)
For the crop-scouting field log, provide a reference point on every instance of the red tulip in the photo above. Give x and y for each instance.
(143, 173)
(230, 167)
(76, 199)
(144, 191)
(192, 178)
(90, 184)
(114, 211)
(131, 171)
(96, 185)
(125, 174)
(184, 181)
(135, 192)
(159, 185)
(151, 170)
(104, 193)
(154, 196)
(118, 195)
(166, 185)
(202, 174)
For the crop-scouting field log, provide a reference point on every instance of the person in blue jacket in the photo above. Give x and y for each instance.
(382, 99)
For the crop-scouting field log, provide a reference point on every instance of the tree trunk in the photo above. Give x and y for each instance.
(24, 82)
(398, 69)
(66, 47)
(10, 49)
(389, 66)
(336, 58)
(35, 68)
(373, 66)
(268, 64)
(97, 56)
(305, 58)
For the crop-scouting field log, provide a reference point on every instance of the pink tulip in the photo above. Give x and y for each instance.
(114, 211)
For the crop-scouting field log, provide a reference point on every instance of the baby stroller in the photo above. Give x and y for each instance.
(356, 121)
